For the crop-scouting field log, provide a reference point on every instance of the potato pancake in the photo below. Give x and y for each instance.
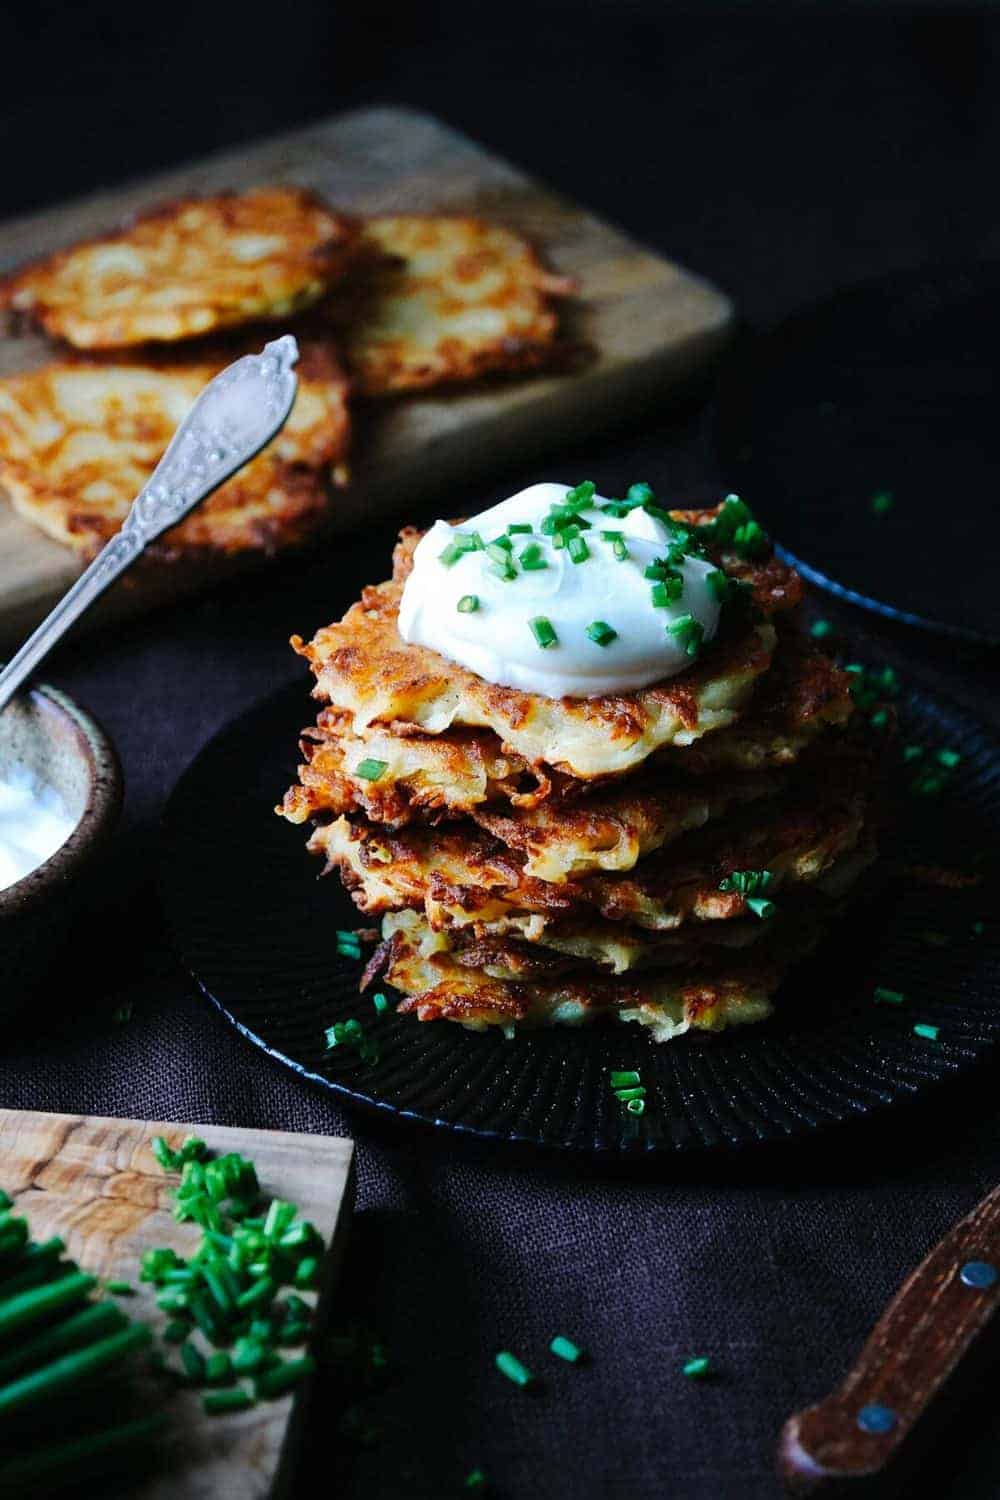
(462, 770)
(459, 876)
(439, 299)
(708, 995)
(187, 268)
(79, 439)
(365, 669)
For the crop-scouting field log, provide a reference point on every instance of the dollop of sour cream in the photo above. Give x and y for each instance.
(34, 823)
(494, 636)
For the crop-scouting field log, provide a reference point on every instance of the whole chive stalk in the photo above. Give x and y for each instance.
(72, 1370)
(27, 1308)
(47, 1465)
(80, 1328)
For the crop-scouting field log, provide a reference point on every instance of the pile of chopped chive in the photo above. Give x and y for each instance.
(59, 1346)
(223, 1302)
(628, 1090)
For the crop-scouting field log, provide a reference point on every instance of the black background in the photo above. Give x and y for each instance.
(782, 151)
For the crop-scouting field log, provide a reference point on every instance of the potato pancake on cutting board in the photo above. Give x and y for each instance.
(650, 326)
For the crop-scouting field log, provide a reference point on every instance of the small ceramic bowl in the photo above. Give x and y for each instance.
(44, 733)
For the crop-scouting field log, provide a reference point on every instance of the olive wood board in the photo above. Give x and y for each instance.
(96, 1183)
(651, 324)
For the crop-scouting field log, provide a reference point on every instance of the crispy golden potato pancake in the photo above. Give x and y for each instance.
(79, 439)
(714, 992)
(440, 299)
(187, 268)
(460, 876)
(458, 772)
(613, 830)
(610, 830)
(366, 670)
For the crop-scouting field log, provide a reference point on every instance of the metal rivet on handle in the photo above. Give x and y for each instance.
(876, 1418)
(979, 1274)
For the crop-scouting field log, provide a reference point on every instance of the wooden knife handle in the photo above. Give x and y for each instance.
(852, 1434)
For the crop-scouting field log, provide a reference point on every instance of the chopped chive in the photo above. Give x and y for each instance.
(577, 549)
(282, 1377)
(532, 558)
(882, 996)
(655, 570)
(601, 633)
(718, 585)
(639, 493)
(468, 604)
(668, 591)
(580, 496)
(949, 758)
(167, 1159)
(747, 882)
(237, 1398)
(503, 542)
(306, 1271)
(624, 1078)
(880, 718)
(193, 1361)
(498, 552)
(218, 1368)
(119, 1288)
(564, 1348)
(610, 536)
(506, 572)
(508, 1364)
(176, 1332)
(820, 630)
(475, 1480)
(882, 503)
(636, 1106)
(543, 631)
(697, 1369)
(761, 907)
(380, 1002)
(913, 752)
(688, 632)
(518, 528)
(451, 554)
(977, 929)
(636, 1092)
(620, 549)
(371, 770)
(929, 1033)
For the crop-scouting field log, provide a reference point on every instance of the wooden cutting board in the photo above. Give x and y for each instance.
(652, 325)
(96, 1183)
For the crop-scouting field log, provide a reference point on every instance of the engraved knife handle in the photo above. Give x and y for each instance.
(234, 417)
(851, 1435)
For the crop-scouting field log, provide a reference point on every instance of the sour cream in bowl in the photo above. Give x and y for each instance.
(60, 796)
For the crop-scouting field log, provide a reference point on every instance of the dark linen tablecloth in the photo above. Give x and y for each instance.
(809, 159)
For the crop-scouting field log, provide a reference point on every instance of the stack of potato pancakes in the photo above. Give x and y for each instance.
(661, 856)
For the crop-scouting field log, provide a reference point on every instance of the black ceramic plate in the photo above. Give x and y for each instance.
(888, 388)
(255, 927)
